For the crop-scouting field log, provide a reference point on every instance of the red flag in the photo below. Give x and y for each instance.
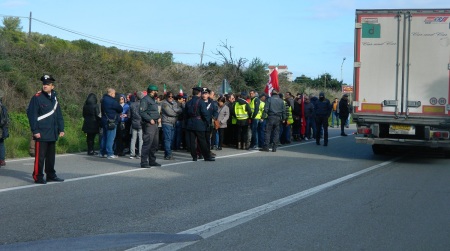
(303, 124)
(181, 91)
(273, 82)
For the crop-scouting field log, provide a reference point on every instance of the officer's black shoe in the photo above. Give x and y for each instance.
(264, 149)
(40, 181)
(154, 164)
(194, 159)
(210, 159)
(274, 149)
(325, 144)
(145, 166)
(343, 134)
(54, 179)
(200, 157)
(318, 143)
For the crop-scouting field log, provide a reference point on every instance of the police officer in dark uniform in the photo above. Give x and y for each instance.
(47, 125)
(274, 113)
(148, 109)
(198, 121)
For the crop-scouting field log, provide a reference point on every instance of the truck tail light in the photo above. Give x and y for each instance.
(364, 130)
(440, 135)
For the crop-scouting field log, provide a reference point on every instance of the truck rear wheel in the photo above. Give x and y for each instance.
(379, 149)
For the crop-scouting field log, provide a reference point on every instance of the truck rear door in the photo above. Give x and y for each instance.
(402, 62)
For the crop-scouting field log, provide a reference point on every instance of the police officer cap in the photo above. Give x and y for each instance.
(345, 95)
(47, 79)
(205, 90)
(197, 88)
(152, 88)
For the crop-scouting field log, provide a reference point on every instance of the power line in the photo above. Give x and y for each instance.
(108, 41)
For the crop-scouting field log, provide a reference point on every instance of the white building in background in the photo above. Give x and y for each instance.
(283, 69)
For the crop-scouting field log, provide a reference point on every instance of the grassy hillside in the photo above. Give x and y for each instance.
(81, 67)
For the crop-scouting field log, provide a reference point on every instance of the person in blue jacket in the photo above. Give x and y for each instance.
(47, 125)
(111, 110)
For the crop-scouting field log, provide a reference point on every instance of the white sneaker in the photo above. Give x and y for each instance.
(113, 157)
(132, 156)
(306, 138)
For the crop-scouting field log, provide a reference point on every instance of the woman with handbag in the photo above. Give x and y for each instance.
(221, 123)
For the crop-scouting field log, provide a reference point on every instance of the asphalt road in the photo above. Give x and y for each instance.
(303, 197)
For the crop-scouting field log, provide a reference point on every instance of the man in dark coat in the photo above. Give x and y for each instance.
(198, 119)
(344, 111)
(47, 125)
(150, 117)
(91, 122)
(322, 109)
(275, 113)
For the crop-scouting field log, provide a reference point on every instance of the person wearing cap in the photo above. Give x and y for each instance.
(344, 111)
(241, 112)
(198, 120)
(322, 109)
(274, 114)
(47, 125)
(149, 111)
(4, 123)
(136, 127)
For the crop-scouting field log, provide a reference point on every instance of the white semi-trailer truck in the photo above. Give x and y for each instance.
(402, 78)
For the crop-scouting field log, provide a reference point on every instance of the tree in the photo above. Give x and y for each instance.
(11, 24)
(233, 68)
(255, 75)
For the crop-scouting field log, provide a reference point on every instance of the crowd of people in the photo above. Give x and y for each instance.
(139, 124)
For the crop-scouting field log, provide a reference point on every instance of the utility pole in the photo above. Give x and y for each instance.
(201, 56)
(342, 80)
(29, 26)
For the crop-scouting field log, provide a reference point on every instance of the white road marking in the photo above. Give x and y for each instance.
(125, 171)
(229, 222)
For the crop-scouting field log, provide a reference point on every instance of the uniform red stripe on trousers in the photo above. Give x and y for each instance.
(36, 160)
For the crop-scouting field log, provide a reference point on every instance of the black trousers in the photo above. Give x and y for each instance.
(90, 138)
(322, 122)
(221, 135)
(272, 126)
(242, 133)
(44, 156)
(343, 122)
(150, 139)
(198, 137)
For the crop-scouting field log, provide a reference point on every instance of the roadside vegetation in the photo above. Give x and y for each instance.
(82, 67)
